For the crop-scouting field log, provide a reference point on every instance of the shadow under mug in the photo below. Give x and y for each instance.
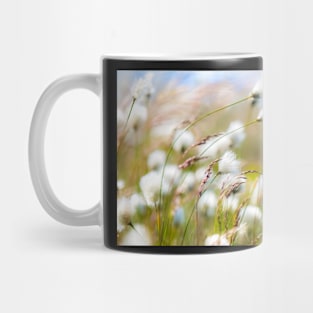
(184, 172)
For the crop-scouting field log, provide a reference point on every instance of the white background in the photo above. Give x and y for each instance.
(49, 267)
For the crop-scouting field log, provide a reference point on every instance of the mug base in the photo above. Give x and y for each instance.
(181, 249)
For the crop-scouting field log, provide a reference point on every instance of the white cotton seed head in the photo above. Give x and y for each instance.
(229, 163)
(215, 147)
(156, 159)
(257, 90)
(226, 181)
(120, 184)
(257, 192)
(216, 240)
(251, 215)
(231, 203)
(237, 133)
(250, 225)
(138, 116)
(209, 149)
(143, 88)
(124, 212)
(138, 203)
(171, 174)
(182, 140)
(162, 130)
(257, 94)
(134, 137)
(207, 203)
(150, 185)
(119, 226)
(137, 236)
(223, 144)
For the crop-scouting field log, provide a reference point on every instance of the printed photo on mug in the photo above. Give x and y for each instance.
(189, 158)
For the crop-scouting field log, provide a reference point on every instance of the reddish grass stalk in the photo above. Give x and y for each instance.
(202, 141)
(190, 161)
(207, 174)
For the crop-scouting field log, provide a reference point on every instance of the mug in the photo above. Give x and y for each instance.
(181, 152)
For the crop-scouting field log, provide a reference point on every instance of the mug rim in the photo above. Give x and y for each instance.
(205, 56)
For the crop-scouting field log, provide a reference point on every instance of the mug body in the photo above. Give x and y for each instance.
(182, 153)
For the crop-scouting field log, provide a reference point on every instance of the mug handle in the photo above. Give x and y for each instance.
(53, 206)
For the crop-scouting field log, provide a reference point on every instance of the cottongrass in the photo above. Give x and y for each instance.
(138, 235)
(236, 132)
(216, 240)
(182, 140)
(120, 184)
(229, 163)
(215, 146)
(257, 192)
(207, 203)
(138, 117)
(230, 183)
(156, 159)
(138, 203)
(125, 213)
(150, 187)
(251, 214)
(231, 202)
(143, 88)
(256, 94)
(171, 174)
(192, 184)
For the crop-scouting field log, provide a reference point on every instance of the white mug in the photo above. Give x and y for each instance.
(182, 153)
